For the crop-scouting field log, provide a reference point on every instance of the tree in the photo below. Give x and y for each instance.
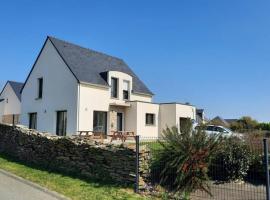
(245, 123)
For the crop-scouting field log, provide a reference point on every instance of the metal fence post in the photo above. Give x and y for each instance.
(137, 139)
(13, 120)
(265, 147)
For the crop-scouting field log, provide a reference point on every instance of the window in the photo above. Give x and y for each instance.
(40, 88)
(61, 123)
(150, 119)
(100, 122)
(114, 87)
(210, 128)
(7, 100)
(32, 120)
(126, 90)
(184, 124)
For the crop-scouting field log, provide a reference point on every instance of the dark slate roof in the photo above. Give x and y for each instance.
(218, 118)
(89, 66)
(231, 120)
(16, 86)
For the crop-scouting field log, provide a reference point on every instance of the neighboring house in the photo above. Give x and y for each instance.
(222, 122)
(71, 88)
(10, 102)
(200, 116)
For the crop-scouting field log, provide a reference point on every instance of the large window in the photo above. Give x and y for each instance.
(40, 88)
(150, 119)
(126, 90)
(32, 120)
(100, 122)
(114, 87)
(61, 123)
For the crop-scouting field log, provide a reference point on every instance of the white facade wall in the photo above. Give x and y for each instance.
(167, 117)
(60, 92)
(184, 111)
(141, 97)
(170, 115)
(92, 98)
(143, 129)
(11, 104)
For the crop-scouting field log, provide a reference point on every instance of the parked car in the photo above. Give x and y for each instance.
(212, 129)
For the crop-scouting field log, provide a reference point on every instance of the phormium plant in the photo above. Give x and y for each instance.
(181, 165)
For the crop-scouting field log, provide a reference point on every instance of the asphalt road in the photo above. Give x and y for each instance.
(15, 189)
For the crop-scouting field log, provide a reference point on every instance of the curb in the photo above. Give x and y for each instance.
(43, 189)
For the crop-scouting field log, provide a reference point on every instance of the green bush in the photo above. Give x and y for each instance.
(181, 165)
(232, 161)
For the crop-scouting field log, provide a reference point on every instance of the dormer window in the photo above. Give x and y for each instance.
(126, 90)
(40, 88)
(114, 87)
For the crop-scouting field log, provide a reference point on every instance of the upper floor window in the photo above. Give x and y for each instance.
(40, 88)
(150, 119)
(126, 90)
(114, 87)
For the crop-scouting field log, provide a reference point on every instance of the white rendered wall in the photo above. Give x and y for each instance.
(170, 115)
(136, 119)
(60, 90)
(92, 99)
(185, 111)
(143, 129)
(167, 117)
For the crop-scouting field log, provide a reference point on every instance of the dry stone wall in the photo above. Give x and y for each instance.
(71, 155)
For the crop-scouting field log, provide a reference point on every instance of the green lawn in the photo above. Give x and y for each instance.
(74, 188)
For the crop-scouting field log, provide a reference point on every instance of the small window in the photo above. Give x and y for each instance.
(126, 90)
(150, 119)
(7, 100)
(40, 88)
(32, 120)
(114, 87)
(61, 123)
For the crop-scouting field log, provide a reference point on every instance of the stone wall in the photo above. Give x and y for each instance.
(71, 155)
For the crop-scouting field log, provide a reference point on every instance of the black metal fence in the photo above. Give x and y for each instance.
(241, 173)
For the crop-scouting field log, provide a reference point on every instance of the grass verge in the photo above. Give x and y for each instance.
(72, 187)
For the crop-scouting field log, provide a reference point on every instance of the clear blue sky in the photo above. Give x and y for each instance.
(213, 54)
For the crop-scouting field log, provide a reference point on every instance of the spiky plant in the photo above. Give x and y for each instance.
(184, 159)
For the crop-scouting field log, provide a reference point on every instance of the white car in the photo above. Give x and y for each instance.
(220, 130)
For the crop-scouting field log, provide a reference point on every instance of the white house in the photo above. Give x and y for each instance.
(71, 88)
(10, 102)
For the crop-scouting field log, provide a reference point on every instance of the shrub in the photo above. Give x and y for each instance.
(232, 161)
(182, 164)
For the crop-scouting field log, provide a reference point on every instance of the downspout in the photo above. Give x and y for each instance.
(78, 107)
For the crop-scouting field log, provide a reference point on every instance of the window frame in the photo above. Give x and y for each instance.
(106, 120)
(115, 89)
(153, 119)
(40, 88)
(31, 120)
(126, 91)
(64, 133)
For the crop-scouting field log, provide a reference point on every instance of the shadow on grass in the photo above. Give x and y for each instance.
(95, 182)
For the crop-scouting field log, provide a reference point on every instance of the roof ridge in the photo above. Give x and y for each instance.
(15, 81)
(86, 48)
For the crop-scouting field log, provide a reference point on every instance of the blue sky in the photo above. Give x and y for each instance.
(213, 54)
